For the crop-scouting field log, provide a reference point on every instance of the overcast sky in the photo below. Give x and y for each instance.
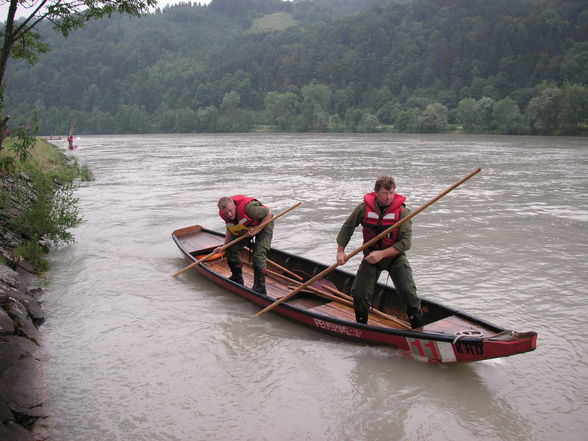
(21, 12)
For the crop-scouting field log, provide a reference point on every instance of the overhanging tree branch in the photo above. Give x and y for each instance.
(64, 15)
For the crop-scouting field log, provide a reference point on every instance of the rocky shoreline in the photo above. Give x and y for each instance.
(22, 414)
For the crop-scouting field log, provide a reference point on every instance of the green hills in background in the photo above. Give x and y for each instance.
(422, 66)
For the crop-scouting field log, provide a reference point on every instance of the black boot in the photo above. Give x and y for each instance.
(258, 280)
(415, 316)
(361, 318)
(361, 314)
(237, 272)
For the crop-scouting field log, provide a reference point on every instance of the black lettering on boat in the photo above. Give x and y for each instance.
(470, 347)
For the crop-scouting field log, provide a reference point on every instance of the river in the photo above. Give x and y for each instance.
(133, 354)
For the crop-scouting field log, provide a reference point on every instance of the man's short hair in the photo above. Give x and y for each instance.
(224, 202)
(386, 182)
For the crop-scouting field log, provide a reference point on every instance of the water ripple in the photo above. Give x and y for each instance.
(133, 354)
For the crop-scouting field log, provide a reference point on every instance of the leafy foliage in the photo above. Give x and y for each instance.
(22, 39)
(46, 213)
(20, 149)
(490, 66)
(39, 202)
(46, 209)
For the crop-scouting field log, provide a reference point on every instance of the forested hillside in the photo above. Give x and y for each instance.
(489, 66)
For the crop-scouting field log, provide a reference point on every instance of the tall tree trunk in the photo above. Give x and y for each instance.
(4, 55)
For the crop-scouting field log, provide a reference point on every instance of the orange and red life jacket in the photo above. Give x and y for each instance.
(242, 221)
(374, 223)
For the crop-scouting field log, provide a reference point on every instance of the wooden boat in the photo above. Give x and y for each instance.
(447, 336)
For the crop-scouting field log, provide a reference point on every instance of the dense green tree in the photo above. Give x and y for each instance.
(336, 124)
(281, 107)
(164, 119)
(484, 115)
(467, 116)
(388, 112)
(507, 117)
(433, 119)
(391, 61)
(207, 119)
(314, 115)
(21, 38)
(377, 98)
(574, 108)
(185, 120)
(309, 12)
(317, 93)
(353, 119)
(368, 123)
(544, 111)
(574, 65)
(230, 102)
(345, 98)
(408, 121)
(104, 122)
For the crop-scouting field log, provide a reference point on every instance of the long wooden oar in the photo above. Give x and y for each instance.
(234, 241)
(286, 270)
(366, 245)
(337, 296)
(280, 267)
(403, 324)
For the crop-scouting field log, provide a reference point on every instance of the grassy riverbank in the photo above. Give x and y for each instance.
(37, 207)
(37, 198)
(45, 159)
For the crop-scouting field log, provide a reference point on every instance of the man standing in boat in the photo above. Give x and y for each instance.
(378, 211)
(242, 214)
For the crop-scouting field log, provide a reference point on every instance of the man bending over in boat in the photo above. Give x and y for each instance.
(378, 211)
(242, 214)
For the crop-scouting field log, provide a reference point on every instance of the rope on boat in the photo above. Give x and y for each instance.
(477, 333)
(500, 334)
(467, 333)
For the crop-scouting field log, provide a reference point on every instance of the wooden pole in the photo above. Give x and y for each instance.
(337, 292)
(280, 267)
(367, 244)
(338, 296)
(286, 270)
(240, 238)
(398, 321)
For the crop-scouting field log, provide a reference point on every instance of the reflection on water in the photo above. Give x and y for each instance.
(133, 354)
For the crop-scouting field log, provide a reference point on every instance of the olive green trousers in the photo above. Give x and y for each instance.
(367, 276)
(261, 245)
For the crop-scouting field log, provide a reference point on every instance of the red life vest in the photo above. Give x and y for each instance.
(242, 221)
(374, 223)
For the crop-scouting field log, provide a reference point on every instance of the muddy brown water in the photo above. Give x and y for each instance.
(132, 354)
